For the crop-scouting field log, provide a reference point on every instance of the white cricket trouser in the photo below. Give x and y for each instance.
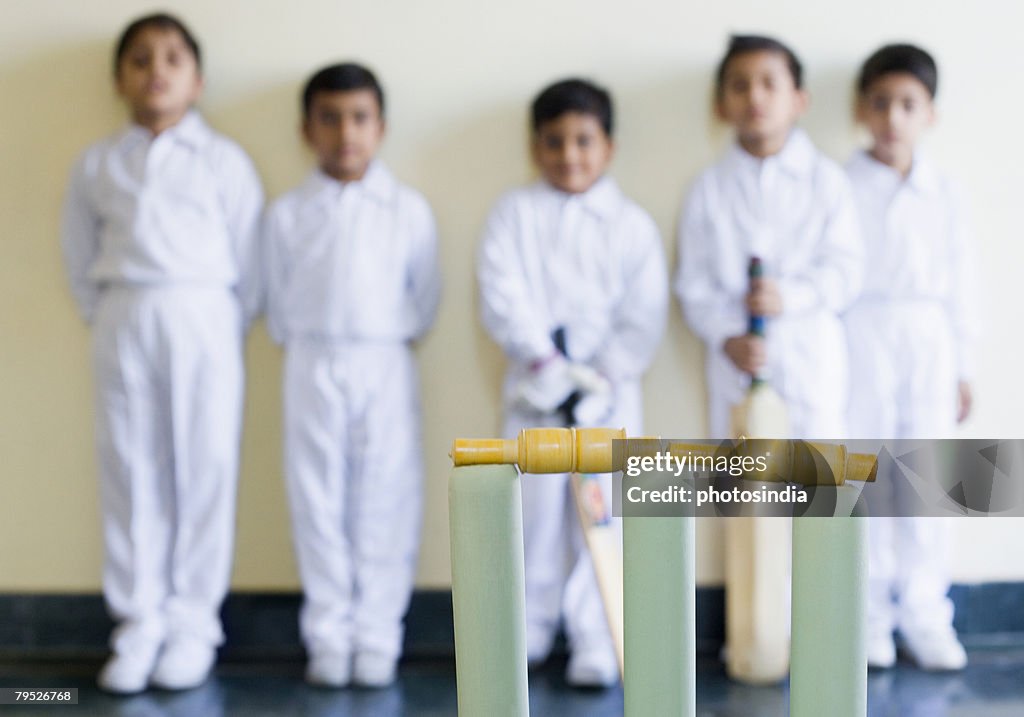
(560, 579)
(169, 385)
(903, 385)
(354, 471)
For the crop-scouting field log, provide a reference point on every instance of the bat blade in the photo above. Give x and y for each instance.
(757, 595)
(605, 547)
(757, 562)
(762, 414)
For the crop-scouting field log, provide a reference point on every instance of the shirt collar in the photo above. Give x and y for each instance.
(796, 157)
(378, 182)
(922, 178)
(922, 175)
(190, 130)
(603, 199)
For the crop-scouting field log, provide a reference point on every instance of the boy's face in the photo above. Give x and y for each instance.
(158, 77)
(344, 129)
(896, 109)
(572, 151)
(760, 99)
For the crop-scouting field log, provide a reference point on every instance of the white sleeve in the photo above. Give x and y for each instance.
(962, 300)
(424, 272)
(510, 314)
(275, 271)
(639, 319)
(80, 243)
(244, 205)
(710, 309)
(834, 276)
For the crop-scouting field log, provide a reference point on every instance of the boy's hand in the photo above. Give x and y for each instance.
(764, 298)
(589, 380)
(964, 400)
(546, 387)
(747, 352)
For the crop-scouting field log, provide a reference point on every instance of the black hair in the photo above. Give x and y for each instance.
(743, 44)
(900, 58)
(345, 77)
(573, 95)
(160, 21)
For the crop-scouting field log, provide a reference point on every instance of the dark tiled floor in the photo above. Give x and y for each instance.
(992, 686)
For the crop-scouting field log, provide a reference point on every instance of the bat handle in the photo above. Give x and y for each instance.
(757, 323)
(755, 270)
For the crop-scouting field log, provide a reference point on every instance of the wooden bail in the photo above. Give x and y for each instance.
(589, 450)
(544, 450)
(594, 449)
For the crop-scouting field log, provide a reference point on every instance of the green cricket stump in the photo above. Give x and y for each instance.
(659, 595)
(828, 647)
(828, 673)
(488, 591)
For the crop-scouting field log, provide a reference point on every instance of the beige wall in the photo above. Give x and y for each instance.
(459, 75)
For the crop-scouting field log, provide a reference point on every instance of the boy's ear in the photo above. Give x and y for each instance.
(803, 99)
(860, 108)
(200, 86)
(535, 147)
(717, 108)
(119, 83)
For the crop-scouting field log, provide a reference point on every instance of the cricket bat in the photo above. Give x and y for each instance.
(605, 547)
(758, 551)
(602, 540)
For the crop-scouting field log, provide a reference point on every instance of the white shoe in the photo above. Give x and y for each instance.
(184, 663)
(881, 650)
(329, 669)
(127, 673)
(592, 668)
(372, 669)
(539, 642)
(935, 649)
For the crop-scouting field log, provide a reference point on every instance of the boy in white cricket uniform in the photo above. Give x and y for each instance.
(353, 281)
(774, 196)
(573, 288)
(911, 336)
(159, 242)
